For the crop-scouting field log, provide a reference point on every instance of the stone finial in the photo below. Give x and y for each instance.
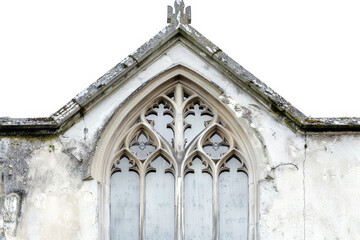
(179, 17)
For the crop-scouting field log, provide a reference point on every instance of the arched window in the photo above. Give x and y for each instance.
(175, 164)
(198, 186)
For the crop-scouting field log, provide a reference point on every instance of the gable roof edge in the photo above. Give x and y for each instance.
(73, 109)
(293, 117)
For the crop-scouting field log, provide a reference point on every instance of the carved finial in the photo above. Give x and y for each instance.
(179, 17)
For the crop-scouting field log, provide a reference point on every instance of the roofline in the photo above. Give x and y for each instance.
(74, 110)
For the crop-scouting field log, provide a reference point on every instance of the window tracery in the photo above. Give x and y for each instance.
(142, 145)
(186, 174)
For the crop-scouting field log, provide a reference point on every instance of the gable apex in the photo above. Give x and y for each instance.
(167, 37)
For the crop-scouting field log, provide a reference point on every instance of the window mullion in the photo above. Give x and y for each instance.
(216, 203)
(179, 151)
(179, 231)
(142, 203)
(179, 123)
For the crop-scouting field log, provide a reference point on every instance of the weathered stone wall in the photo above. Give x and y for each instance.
(55, 201)
(58, 204)
(309, 185)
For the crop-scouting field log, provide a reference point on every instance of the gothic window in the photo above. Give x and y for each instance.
(178, 173)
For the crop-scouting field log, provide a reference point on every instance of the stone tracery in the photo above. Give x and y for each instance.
(187, 132)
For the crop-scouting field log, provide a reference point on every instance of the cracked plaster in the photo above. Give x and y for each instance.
(306, 202)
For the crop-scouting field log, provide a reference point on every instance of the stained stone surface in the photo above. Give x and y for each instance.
(45, 161)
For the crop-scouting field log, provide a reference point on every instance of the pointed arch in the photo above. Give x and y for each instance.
(131, 117)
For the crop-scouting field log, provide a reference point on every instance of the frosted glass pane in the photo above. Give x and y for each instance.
(198, 203)
(142, 145)
(125, 200)
(161, 118)
(160, 204)
(216, 146)
(233, 203)
(196, 119)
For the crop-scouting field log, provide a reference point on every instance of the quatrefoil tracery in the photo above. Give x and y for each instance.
(142, 145)
(216, 145)
(203, 130)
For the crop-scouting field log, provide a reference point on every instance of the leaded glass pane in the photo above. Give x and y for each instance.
(160, 203)
(198, 203)
(124, 202)
(233, 202)
(207, 205)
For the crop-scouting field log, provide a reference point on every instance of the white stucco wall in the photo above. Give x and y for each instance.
(304, 193)
(59, 204)
(332, 187)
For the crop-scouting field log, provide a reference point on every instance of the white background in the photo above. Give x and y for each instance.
(308, 51)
